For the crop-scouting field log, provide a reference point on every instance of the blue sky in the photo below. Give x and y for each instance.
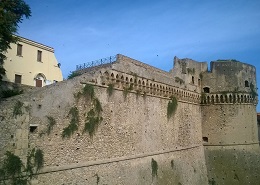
(150, 31)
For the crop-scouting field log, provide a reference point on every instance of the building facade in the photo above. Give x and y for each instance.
(31, 63)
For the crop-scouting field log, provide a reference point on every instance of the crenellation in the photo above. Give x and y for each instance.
(214, 119)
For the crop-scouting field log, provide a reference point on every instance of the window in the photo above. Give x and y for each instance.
(206, 89)
(205, 139)
(192, 79)
(33, 128)
(246, 84)
(19, 49)
(18, 79)
(39, 56)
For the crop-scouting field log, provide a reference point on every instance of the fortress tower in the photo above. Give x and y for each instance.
(112, 125)
(229, 126)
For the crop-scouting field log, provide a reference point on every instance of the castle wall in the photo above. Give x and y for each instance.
(229, 77)
(229, 124)
(134, 130)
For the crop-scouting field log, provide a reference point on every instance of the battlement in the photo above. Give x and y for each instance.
(126, 122)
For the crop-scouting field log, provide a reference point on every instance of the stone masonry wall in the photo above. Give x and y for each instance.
(134, 130)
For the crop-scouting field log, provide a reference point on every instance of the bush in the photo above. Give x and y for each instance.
(172, 106)
(73, 74)
(11, 92)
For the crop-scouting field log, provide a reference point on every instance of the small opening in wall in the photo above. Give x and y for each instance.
(33, 128)
(206, 89)
(246, 84)
(205, 139)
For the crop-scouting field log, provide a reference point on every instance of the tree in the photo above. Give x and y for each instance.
(11, 14)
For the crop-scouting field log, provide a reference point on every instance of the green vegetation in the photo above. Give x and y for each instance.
(11, 92)
(179, 80)
(203, 97)
(191, 71)
(253, 92)
(110, 89)
(93, 118)
(138, 93)
(73, 126)
(51, 123)
(98, 178)
(18, 108)
(97, 105)
(172, 164)
(38, 159)
(172, 106)
(88, 91)
(127, 90)
(14, 172)
(227, 60)
(154, 168)
(12, 13)
(73, 74)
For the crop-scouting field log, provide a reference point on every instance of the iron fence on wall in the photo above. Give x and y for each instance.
(102, 61)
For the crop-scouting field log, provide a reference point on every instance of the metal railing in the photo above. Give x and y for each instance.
(102, 61)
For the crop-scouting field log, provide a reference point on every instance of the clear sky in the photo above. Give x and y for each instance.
(151, 31)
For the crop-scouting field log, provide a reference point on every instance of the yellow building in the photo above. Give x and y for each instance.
(31, 63)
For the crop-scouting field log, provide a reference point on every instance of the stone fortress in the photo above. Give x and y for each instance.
(211, 137)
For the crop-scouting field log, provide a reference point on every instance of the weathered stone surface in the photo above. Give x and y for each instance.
(135, 129)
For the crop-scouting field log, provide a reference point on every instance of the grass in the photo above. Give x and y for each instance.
(172, 106)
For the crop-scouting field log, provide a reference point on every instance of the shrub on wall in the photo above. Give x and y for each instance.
(73, 126)
(18, 108)
(11, 92)
(14, 172)
(88, 91)
(154, 168)
(179, 80)
(172, 106)
(110, 89)
(51, 123)
(73, 74)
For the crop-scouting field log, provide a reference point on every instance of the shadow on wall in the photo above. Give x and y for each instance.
(258, 125)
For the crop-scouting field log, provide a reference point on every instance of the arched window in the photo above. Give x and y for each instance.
(221, 99)
(212, 99)
(246, 84)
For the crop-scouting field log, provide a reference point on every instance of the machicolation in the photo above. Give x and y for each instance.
(125, 122)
